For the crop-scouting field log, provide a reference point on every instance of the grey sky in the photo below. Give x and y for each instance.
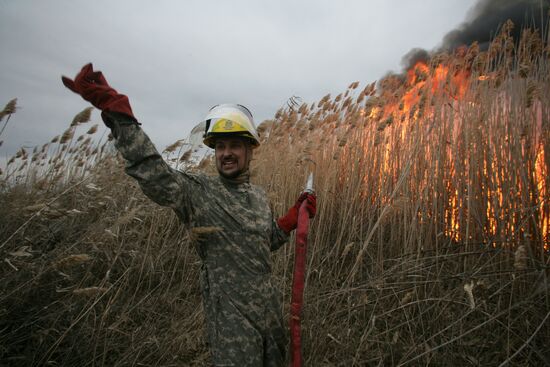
(175, 59)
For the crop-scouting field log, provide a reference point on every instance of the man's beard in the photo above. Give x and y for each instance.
(230, 176)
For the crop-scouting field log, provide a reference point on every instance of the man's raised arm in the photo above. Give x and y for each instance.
(157, 179)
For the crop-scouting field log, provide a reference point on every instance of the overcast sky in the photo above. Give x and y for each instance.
(176, 59)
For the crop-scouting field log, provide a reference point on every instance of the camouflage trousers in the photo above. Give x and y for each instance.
(244, 323)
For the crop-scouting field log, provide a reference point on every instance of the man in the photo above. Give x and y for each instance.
(243, 313)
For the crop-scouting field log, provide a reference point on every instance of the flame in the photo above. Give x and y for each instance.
(541, 179)
(410, 102)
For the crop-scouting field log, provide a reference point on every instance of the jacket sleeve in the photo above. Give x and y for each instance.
(158, 181)
(278, 236)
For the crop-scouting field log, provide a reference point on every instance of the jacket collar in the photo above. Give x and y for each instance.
(243, 178)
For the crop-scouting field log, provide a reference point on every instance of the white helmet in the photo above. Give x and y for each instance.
(230, 120)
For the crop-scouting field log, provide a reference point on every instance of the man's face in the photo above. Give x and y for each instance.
(231, 156)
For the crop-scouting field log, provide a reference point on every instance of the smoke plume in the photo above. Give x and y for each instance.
(484, 21)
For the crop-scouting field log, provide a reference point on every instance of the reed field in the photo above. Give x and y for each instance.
(431, 244)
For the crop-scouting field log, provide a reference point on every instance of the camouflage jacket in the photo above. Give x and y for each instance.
(239, 251)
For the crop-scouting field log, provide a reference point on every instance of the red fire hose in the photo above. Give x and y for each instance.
(298, 287)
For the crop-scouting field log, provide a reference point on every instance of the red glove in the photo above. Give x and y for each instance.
(289, 221)
(93, 87)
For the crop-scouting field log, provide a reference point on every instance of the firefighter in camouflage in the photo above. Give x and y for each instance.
(243, 312)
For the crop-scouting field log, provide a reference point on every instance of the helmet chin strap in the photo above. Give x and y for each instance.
(248, 157)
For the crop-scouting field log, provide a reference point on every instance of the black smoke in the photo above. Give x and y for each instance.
(484, 21)
(413, 56)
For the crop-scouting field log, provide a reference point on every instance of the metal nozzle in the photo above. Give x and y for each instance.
(309, 184)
